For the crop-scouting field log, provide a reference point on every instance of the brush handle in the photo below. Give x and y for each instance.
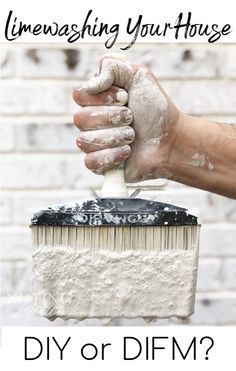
(114, 184)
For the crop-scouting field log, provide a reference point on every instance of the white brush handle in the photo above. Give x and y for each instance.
(114, 184)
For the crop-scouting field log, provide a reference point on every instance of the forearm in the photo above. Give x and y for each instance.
(204, 155)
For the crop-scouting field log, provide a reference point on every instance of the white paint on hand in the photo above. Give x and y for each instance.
(99, 83)
(108, 137)
(122, 97)
(199, 160)
(116, 120)
(210, 167)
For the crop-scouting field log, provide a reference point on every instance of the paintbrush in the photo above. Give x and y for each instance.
(117, 256)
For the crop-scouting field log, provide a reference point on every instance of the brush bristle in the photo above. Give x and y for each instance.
(159, 238)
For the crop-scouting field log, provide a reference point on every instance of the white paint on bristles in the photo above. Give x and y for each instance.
(84, 272)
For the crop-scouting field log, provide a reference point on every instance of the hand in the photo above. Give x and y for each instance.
(143, 134)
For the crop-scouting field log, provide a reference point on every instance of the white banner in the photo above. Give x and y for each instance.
(120, 348)
(127, 22)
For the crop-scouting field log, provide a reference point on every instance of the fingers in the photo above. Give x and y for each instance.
(92, 118)
(112, 96)
(90, 141)
(108, 147)
(114, 70)
(112, 123)
(101, 161)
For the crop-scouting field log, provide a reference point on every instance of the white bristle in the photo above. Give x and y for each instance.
(157, 238)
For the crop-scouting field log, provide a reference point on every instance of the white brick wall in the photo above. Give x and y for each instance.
(24, 98)
(229, 273)
(21, 172)
(41, 164)
(7, 138)
(215, 309)
(5, 210)
(205, 97)
(209, 274)
(7, 63)
(15, 243)
(32, 137)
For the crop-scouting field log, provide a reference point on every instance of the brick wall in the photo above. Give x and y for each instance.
(41, 164)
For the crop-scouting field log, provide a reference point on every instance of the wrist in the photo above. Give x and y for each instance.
(176, 141)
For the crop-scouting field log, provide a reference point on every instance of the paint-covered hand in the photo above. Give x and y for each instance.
(142, 132)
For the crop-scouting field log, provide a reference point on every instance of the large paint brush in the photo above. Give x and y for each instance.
(115, 256)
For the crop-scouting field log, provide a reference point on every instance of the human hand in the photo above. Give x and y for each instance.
(143, 133)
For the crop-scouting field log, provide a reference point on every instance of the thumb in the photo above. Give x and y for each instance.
(113, 71)
(101, 82)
